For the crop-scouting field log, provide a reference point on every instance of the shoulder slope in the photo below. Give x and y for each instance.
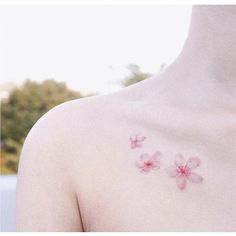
(63, 119)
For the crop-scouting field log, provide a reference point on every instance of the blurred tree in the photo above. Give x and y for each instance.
(27, 104)
(137, 75)
(10, 152)
(22, 109)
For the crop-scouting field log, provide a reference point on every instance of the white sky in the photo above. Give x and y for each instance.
(88, 47)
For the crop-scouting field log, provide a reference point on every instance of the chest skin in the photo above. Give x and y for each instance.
(114, 195)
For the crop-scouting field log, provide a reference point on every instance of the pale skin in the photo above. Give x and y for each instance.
(77, 168)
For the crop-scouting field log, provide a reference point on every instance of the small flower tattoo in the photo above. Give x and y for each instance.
(136, 141)
(182, 171)
(147, 162)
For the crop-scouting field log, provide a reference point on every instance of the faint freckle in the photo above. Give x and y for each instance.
(182, 171)
(147, 163)
(137, 141)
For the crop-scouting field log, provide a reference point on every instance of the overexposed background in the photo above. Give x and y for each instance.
(88, 48)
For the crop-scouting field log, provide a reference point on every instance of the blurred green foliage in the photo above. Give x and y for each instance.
(136, 75)
(21, 110)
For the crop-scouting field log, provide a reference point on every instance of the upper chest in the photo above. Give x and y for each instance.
(115, 196)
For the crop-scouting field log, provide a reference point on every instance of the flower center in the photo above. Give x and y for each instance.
(183, 170)
(148, 164)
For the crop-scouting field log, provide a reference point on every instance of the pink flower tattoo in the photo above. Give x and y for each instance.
(147, 162)
(182, 171)
(136, 141)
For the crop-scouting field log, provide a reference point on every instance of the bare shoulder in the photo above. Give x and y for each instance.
(64, 118)
(85, 117)
(60, 139)
(62, 154)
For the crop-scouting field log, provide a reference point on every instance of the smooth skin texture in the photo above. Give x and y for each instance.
(77, 170)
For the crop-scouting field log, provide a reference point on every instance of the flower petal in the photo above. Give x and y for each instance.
(171, 171)
(195, 178)
(137, 144)
(156, 156)
(155, 165)
(179, 160)
(144, 169)
(141, 139)
(193, 162)
(181, 182)
(139, 163)
(145, 157)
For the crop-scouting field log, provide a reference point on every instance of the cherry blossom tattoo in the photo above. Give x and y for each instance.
(136, 141)
(182, 171)
(147, 162)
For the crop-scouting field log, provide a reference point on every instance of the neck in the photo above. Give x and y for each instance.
(207, 62)
(211, 43)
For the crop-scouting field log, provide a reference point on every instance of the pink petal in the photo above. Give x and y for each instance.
(179, 160)
(144, 169)
(193, 162)
(133, 145)
(155, 165)
(181, 182)
(195, 178)
(145, 157)
(138, 144)
(139, 164)
(171, 171)
(141, 139)
(157, 156)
